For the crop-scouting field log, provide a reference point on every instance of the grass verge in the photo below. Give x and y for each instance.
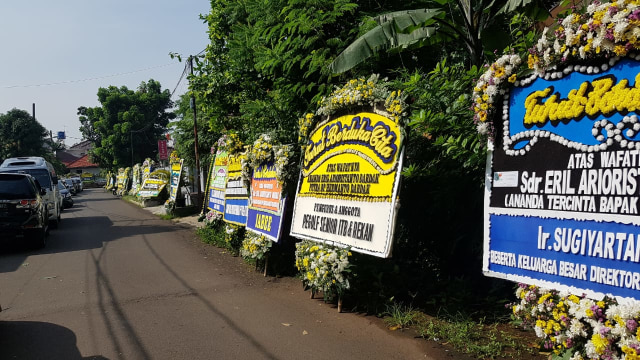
(465, 335)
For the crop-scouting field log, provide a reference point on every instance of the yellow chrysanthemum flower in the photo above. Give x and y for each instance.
(600, 343)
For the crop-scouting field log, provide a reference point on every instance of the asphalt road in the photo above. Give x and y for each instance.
(117, 282)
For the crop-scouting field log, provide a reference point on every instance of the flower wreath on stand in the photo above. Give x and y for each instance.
(264, 150)
(573, 327)
(137, 175)
(170, 205)
(324, 267)
(234, 234)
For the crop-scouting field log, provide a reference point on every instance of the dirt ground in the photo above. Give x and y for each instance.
(436, 350)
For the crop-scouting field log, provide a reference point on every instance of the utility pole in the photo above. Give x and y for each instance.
(192, 103)
(131, 145)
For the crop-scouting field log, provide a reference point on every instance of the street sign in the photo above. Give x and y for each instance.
(163, 154)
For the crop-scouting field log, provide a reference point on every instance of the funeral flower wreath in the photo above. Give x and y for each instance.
(572, 326)
(323, 267)
(605, 30)
(264, 150)
(255, 246)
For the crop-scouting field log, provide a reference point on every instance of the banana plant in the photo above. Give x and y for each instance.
(466, 21)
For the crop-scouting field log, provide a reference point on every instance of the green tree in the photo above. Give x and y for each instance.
(475, 26)
(125, 129)
(184, 137)
(267, 63)
(21, 135)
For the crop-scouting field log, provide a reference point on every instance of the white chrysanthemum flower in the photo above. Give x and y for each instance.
(591, 350)
(608, 45)
(566, 22)
(619, 29)
(547, 55)
(576, 328)
(598, 37)
(570, 37)
(582, 52)
(576, 356)
(556, 46)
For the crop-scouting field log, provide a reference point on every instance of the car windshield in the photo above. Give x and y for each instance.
(40, 174)
(12, 188)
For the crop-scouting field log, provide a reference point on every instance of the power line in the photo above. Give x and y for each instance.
(88, 79)
(184, 72)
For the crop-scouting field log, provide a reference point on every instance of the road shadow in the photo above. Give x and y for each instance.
(78, 234)
(27, 340)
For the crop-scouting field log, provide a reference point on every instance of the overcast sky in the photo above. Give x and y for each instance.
(52, 48)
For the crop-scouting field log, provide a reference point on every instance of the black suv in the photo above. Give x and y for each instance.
(23, 211)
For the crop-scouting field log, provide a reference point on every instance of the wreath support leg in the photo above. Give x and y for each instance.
(266, 264)
(339, 303)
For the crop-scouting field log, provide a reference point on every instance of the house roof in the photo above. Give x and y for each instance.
(65, 157)
(85, 144)
(82, 163)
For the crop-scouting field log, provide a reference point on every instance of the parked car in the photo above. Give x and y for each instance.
(24, 212)
(45, 173)
(65, 194)
(70, 186)
(78, 182)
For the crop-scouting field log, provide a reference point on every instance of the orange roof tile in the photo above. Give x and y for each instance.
(83, 162)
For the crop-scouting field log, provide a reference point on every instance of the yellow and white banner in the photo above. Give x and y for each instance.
(349, 182)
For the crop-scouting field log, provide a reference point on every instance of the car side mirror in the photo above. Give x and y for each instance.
(55, 180)
(43, 191)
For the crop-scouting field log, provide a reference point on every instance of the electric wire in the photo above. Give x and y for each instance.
(89, 79)
(184, 72)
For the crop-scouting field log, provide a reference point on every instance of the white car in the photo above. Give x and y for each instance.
(45, 173)
(78, 182)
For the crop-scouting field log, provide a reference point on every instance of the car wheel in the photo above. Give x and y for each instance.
(40, 239)
(55, 223)
(46, 225)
